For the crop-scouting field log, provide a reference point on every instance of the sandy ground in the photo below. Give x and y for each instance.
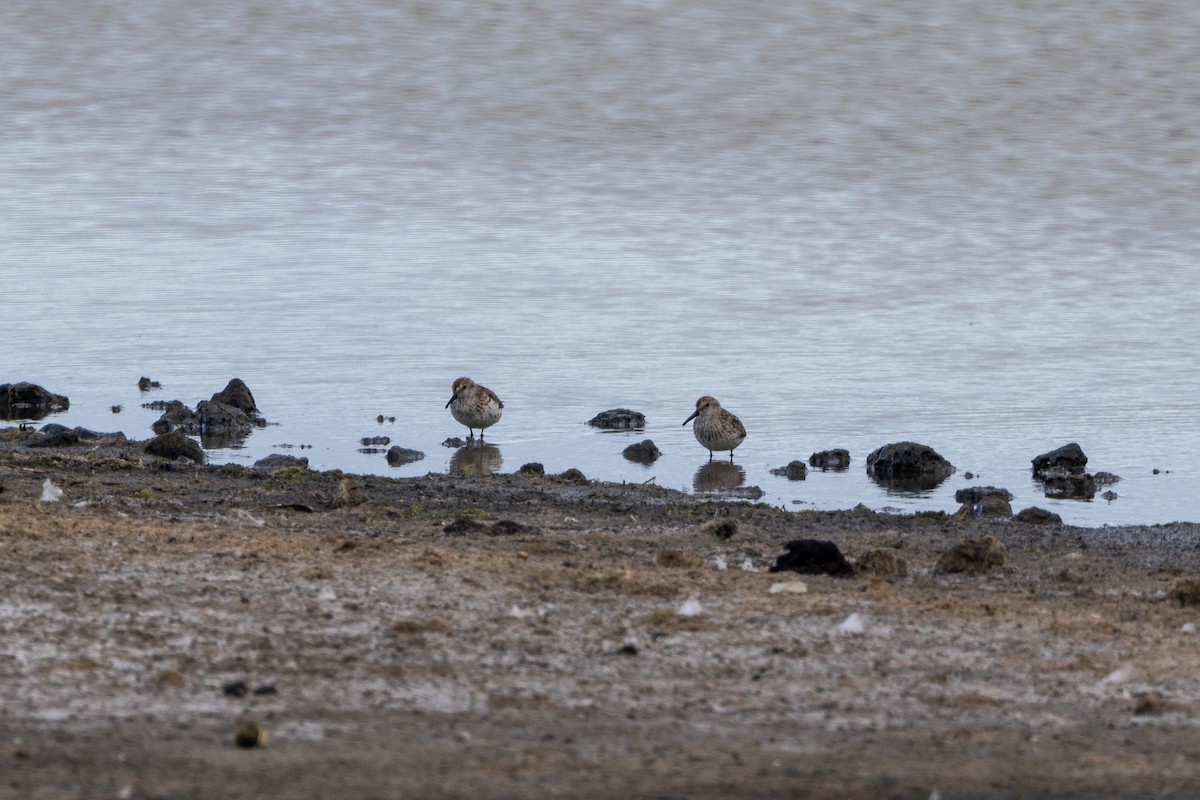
(386, 657)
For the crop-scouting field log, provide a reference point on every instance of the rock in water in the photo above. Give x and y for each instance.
(794, 471)
(401, 455)
(29, 401)
(835, 460)
(237, 394)
(908, 466)
(1069, 457)
(644, 452)
(619, 419)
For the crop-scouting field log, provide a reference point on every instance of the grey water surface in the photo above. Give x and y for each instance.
(972, 225)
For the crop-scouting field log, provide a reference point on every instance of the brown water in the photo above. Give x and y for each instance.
(970, 225)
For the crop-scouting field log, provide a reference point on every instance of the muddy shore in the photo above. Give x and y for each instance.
(570, 639)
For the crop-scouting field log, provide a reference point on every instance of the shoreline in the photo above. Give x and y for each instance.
(509, 635)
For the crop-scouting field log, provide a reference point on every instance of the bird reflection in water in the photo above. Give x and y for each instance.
(475, 458)
(717, 475)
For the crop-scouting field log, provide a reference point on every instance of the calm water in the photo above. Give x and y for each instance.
(967, 224)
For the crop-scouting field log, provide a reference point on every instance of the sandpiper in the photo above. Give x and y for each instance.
(474, 406)
(716, 428)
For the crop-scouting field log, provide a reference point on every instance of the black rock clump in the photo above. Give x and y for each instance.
(834, 460)
(402, 455)
(55, 435)
(1069, 458)
(571, 475)
(794, 471)
(279, 461)
(908, 466)
(644, 452)
(813, 557)
(1037, 516)
(619, 419)
(984, 501)
(29, 401)
(174, 445)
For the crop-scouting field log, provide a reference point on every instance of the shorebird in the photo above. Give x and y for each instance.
(716, 428)
(474, 406)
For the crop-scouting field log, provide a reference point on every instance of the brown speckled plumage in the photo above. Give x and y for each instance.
(716, 428)
(474, 406)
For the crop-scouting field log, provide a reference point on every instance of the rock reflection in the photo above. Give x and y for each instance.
(717, 475)
(907, 484)
(475, 458)
(225, 440)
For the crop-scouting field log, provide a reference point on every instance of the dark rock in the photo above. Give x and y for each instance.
(454, 441)
(991, 506)
(145, 384)
(976, 494)
(532, 468)
(401, 455)
(29, 401)
(237, 394)
(1073, 486)
(618, 419)
(882, 562)
(116, 409)
(571, 475)
(225, 419)
(1105, 479)
(908, 467)
(1110, 495)
(382, 419)
(1069, 457)
(235, 689)
(794, 471)
(835, 460)
(1038, 516)
(813, 557)
(265, 689)
(55, 435)
(973, 556)
(279, 461)
(984, 501)
(175, 414)
(217, 418)
(644, 452)
(376, 441)
(173, 445)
